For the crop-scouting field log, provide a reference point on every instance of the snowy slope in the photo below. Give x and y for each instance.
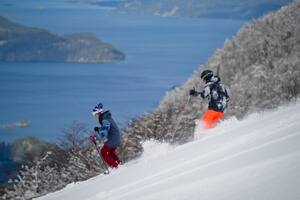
(257, 158)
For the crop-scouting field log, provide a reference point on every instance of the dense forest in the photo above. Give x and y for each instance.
(259, 66)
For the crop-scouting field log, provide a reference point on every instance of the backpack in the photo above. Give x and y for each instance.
(219, 97)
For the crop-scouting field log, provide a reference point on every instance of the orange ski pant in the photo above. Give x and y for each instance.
(211, 117)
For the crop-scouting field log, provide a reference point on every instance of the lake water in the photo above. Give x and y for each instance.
(161, 53)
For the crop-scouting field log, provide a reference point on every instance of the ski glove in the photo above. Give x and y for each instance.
(92, 139)
(102, 132)
(194, 93)
(101, 136)
(96, 129)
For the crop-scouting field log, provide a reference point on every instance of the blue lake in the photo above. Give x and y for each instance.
(161, 53)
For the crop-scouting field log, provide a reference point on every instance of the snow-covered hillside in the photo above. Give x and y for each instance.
(257, 158)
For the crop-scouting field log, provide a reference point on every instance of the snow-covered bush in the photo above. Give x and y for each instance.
(73, 160)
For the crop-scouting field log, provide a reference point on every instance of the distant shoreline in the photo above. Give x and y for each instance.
(26, 44)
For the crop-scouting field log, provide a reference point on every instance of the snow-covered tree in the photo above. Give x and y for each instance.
(259, 66)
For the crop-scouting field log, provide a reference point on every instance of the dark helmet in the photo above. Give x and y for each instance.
(206, 75)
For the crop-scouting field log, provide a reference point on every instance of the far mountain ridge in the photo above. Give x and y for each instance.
(236, 9)
(231, 9)
(22, 43)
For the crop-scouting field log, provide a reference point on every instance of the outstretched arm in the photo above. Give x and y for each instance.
(102, 132)
(204, 93)
(105, 128)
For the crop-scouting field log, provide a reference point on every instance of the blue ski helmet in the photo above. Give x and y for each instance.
(98, 109)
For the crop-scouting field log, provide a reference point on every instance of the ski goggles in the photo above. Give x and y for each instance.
(96, 112)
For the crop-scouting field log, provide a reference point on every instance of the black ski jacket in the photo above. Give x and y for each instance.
(216, 93)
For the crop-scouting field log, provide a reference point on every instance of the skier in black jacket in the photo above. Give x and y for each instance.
(217, 95)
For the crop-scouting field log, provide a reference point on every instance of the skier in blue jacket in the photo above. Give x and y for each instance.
(107, 132)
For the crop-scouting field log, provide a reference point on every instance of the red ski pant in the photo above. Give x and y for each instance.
(211, 117)
(109, 156)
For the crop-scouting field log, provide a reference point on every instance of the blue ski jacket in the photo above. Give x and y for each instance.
(109, 129)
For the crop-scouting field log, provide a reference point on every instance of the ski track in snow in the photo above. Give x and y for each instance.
(166, 176)
(256, 158)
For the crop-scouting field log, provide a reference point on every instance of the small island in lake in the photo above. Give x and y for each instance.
(22, 43)
(23, 123)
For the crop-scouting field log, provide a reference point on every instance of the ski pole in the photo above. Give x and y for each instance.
(105, 166)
